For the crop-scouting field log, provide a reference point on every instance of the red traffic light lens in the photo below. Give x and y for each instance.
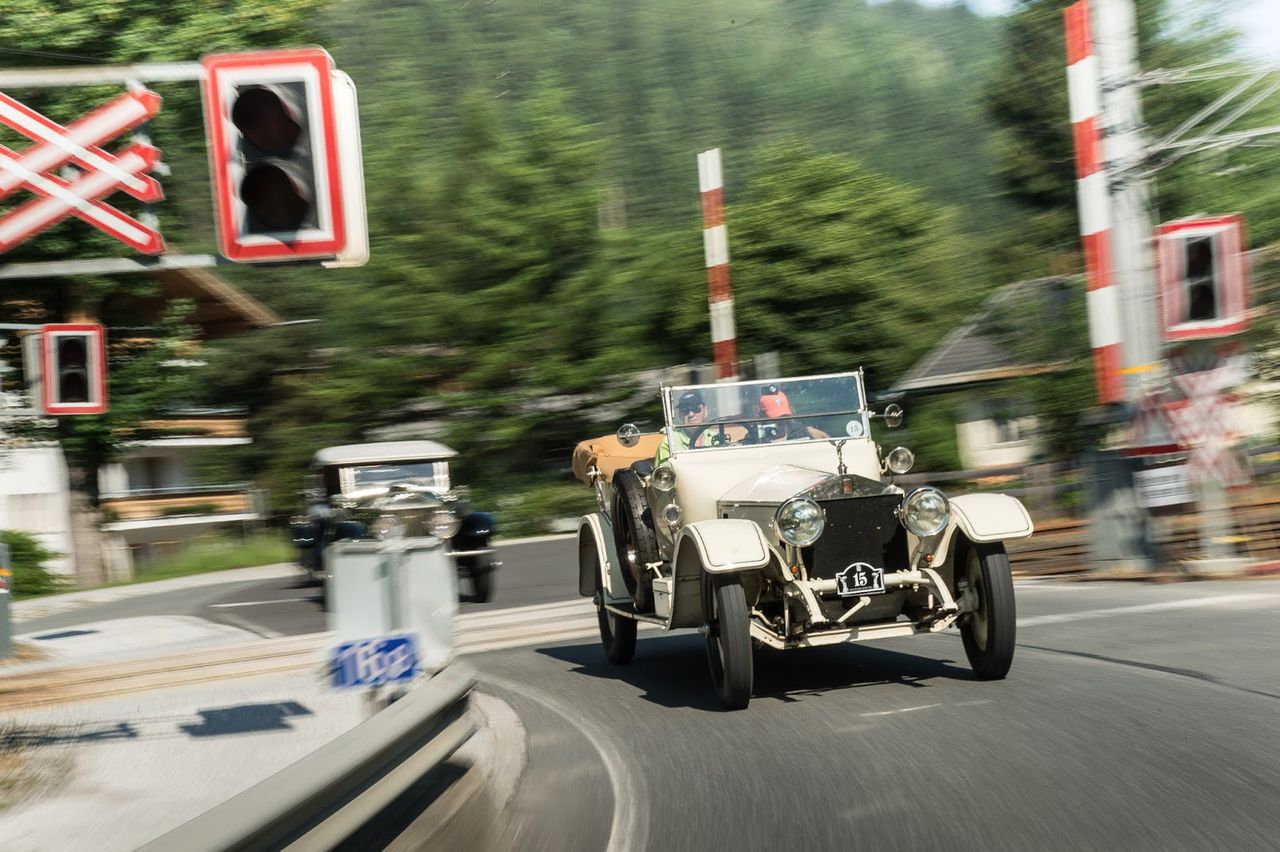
(73, 352)
(267, 119)
(275, 199)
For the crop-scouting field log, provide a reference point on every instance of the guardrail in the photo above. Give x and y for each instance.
(320, 801)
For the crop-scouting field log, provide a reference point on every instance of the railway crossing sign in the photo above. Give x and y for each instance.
(102, 173)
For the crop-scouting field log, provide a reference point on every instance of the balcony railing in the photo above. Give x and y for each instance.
(152, 503)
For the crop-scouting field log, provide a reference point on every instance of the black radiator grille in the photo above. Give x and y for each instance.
(859, 529)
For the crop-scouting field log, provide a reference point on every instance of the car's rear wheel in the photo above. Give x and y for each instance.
(617, 634)
(635, 537)
(989, 631)
(728, 633)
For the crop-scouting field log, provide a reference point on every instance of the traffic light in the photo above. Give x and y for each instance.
(1204, 291)
(284, 148)
(73, 369)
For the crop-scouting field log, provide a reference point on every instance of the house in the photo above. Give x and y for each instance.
(149, 497)
(993, 428)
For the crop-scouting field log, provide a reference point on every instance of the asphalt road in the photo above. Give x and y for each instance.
(1135, 717)
(533, 572)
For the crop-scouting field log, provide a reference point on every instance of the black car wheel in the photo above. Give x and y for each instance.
(482, 579)
(729, 641)
(617, 634)
(990, 630)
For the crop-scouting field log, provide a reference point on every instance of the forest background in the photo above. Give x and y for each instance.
(535, 222)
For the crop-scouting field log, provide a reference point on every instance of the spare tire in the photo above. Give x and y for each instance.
(633, 533)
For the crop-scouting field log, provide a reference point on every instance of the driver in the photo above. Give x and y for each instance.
(691, 412)
(784, 426)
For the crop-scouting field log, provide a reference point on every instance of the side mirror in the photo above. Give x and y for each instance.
(628, 435)
(892, 415)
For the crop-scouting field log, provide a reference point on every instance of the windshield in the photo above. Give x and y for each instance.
(767, 411)
(434, 475)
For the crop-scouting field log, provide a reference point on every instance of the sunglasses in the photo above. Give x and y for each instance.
(687, 409)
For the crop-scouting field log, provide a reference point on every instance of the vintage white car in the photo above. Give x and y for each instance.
(771, 518)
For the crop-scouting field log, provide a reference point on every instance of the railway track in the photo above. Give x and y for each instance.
(1062, 546)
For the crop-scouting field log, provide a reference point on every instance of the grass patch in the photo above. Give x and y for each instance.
(534, 508)
(218, 553)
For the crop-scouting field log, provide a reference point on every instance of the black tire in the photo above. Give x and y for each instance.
(989, 633)
(482, 579)
(617, 634)
(729, 642)
(634, 535)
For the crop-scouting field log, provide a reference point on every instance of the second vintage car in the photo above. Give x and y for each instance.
(763, 514)
(393, 489)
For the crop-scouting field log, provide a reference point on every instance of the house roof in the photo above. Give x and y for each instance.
(972, 353)
(381, 452)
(222, 308)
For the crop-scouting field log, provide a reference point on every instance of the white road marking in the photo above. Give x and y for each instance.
(902, 710)
(629, 828)
(533, 539)
(258, 603)
(1162, 606)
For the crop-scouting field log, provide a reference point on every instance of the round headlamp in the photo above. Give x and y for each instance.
(900, 460)
(443, 524)
(664, 477)
(925, 512)
(388, 527)
(799, 521)
(671, 514)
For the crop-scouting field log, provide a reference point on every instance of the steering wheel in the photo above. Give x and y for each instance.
(720, 438)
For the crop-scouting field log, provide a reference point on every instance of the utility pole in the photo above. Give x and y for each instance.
(1125, 149)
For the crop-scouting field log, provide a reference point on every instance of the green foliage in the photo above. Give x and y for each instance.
(928, 430)
(27, 558)
(841, 267)
(219, 553)
(1027, 98)
(530, 506)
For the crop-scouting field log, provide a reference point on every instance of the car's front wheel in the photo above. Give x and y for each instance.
(482, 579)
(989, 629)
(728, 633)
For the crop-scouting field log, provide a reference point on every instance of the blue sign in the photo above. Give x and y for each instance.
(373, 662)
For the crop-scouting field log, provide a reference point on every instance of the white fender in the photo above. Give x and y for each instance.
(987, 517)
(597, 552)
(725, 545)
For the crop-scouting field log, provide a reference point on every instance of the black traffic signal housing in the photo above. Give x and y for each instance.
(284, 152)
(73, 369)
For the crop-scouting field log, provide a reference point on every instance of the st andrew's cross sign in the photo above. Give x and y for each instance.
(53, 146)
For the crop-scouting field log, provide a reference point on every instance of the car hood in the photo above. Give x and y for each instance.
(782, 482)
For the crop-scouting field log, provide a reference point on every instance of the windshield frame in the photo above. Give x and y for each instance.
(348, 479)
(667, 394)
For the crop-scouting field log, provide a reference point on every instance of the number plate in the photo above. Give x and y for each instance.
(373, 662)
(860, 579)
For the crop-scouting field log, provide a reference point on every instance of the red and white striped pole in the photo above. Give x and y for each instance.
(1084, 89)
(715, 244)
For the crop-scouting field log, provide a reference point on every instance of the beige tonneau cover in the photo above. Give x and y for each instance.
(606, 454)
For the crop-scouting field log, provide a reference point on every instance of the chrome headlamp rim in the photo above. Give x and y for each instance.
(663, 478)
(941, 520)
(900, 460)
(387, 527)
(443, 524)
(782, 521)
